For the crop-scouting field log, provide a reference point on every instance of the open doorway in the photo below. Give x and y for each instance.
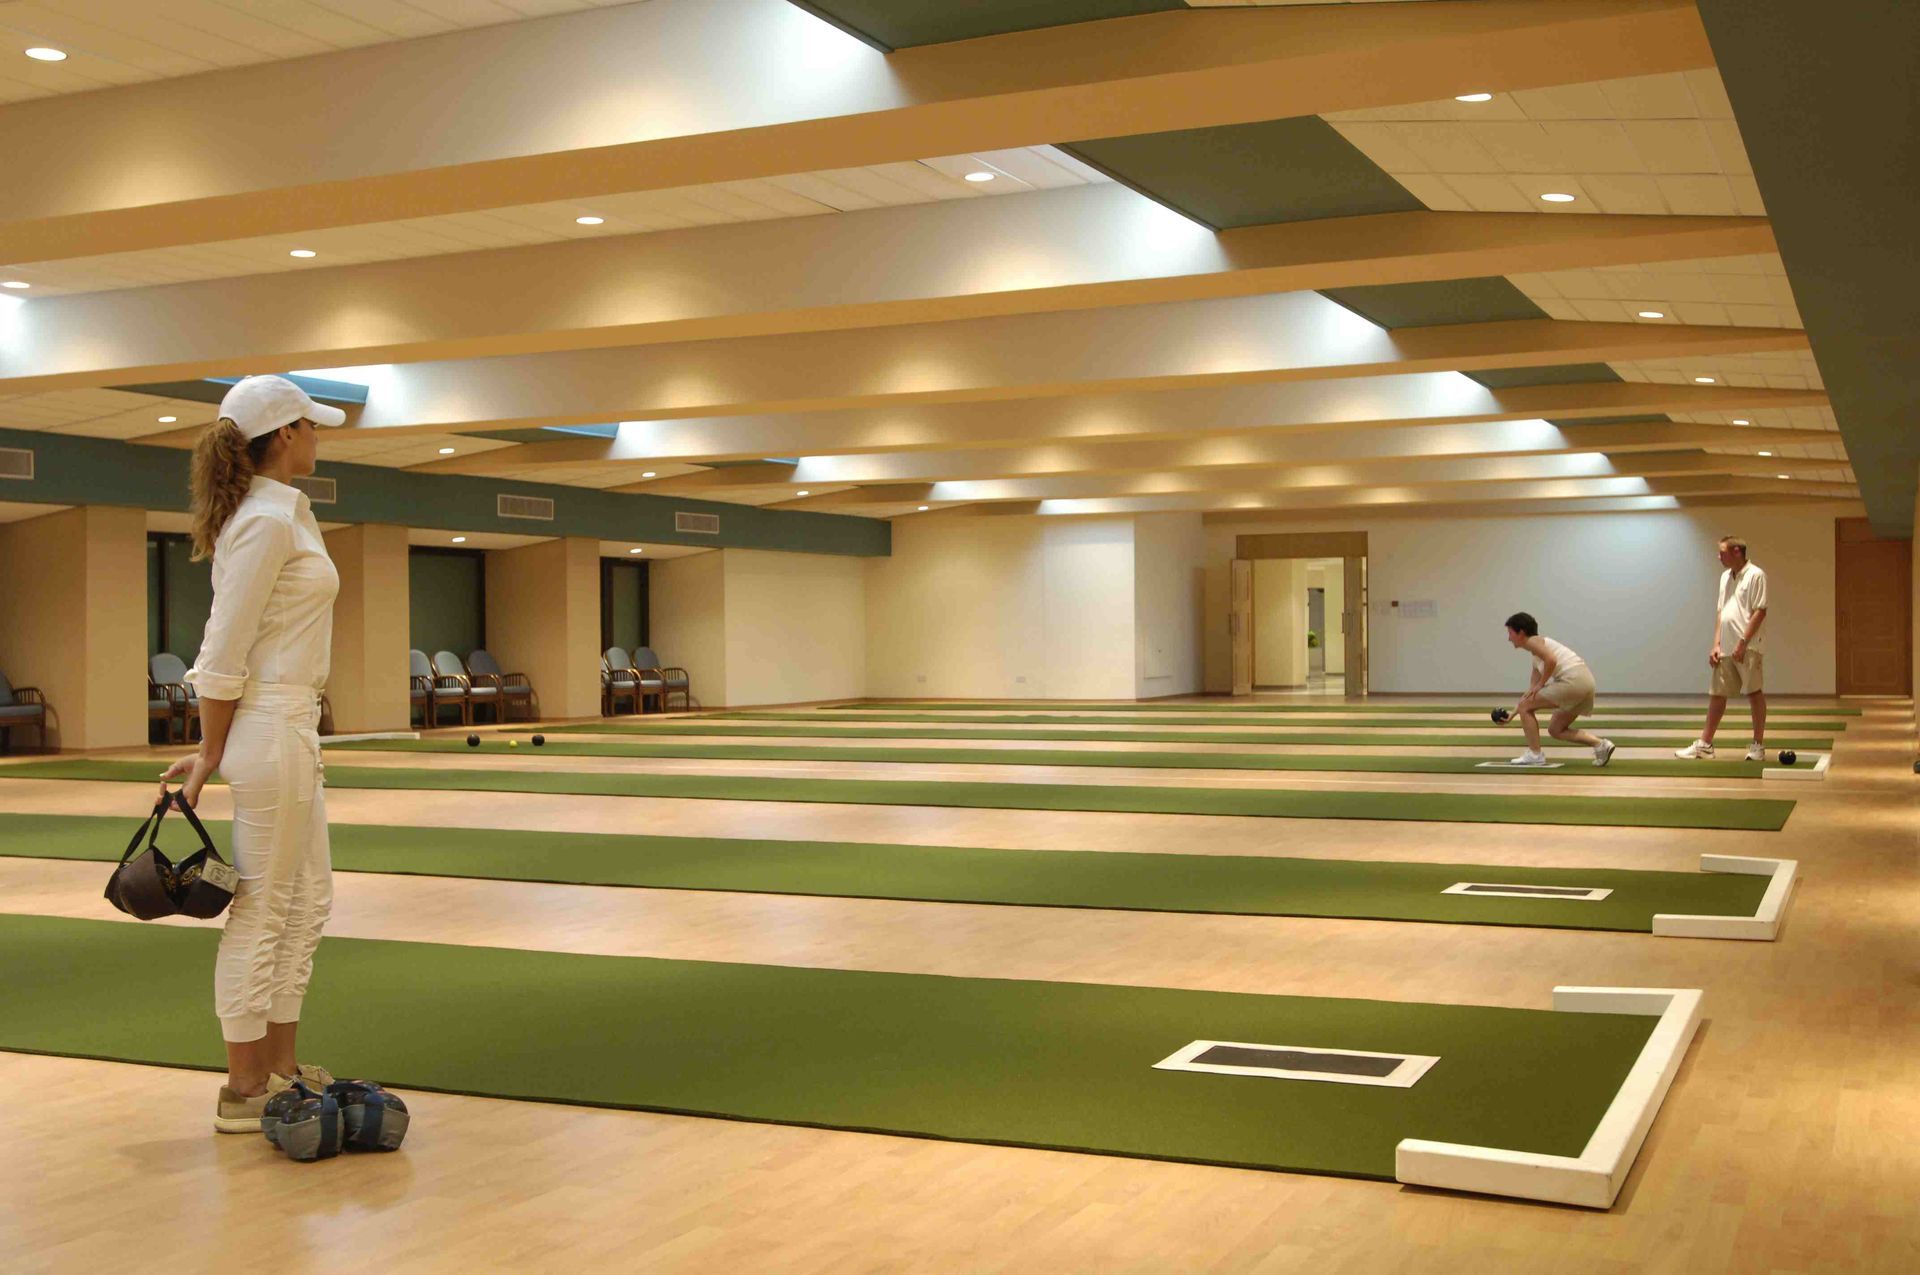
(1298, 614)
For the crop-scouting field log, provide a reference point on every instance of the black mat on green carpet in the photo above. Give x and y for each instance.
(1058, 1065)
(1742, 813)
(1698, 708)
(1350, 732)
(1578, 767)
(1234, 885)
(798, 727)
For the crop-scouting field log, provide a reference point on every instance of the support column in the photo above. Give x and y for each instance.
(368, 682)
(73, 622)
(543, 619)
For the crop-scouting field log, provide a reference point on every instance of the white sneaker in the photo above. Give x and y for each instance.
(1695, 751)
(1756, 752)
(1532, 758)
(1603, 752)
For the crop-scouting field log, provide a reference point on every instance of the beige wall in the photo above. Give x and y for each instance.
(796, 627)
(1004, 606)
(1279, 622)
(74, 623)
(1169, 551)
(543, 619)
(1332, 577)
(687, 620)
(367, 683)
(1631, 592)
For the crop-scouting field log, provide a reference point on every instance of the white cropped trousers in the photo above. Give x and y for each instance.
(273, 770)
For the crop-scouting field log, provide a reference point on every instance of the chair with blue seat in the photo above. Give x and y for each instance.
(514, 688)
(420, 688)
(452, 684)
(167, 673)
(620, 680)
(670, 681)
(21, 706)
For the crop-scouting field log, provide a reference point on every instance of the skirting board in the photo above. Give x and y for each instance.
(1594, 1177)
(1813, 774)
(372, 734)
(1764, 924)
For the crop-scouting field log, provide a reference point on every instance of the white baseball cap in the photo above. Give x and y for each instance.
(261, 404)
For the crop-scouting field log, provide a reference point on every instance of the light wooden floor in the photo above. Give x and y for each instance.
(1786, 1145)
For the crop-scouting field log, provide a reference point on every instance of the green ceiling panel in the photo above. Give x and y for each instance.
(1568, 374)
(1297, 169)
(902, 24)
(1425, 305)
(1826, 102)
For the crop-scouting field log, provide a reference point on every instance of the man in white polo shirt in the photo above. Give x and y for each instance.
(1737, 642)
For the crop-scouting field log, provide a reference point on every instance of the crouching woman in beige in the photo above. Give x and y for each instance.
(259, 673)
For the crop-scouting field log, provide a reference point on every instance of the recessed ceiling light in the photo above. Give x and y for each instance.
(802, 493)
(1703, 380)
(636, 551)
(648, 474)
(446, 451)
(47, 55)
(981, 176)
(1473, 97)
(1653, 314)
(1779, 475)
(168, 420)
(459, 540)
(1766, 453)
(1557, 197)
(924, 508)
(303, 253)
(589, 221)
(1741, 421)
(18, 285)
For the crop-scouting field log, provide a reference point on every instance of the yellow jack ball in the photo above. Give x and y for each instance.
(513, 743)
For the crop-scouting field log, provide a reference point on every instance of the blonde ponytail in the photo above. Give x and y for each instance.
(224, 464)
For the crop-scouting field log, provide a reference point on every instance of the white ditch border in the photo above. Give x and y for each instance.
(1411, 1068)
(1764, 924)
(1594, 1177)
(372, 734)
(1816, 773)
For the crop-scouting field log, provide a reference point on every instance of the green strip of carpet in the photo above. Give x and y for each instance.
(1355, 732)
(1068, 1066)
(1235, 885)
(1362, 763)
(844, 728)
(1748, 814)
(1135, 706)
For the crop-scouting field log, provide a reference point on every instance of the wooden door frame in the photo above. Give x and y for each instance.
(1351, 548)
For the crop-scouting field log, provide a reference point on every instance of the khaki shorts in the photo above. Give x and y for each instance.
(1745, 678)
(1572, 693)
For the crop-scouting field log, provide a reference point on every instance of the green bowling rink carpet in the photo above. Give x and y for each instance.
(1222, 705)
(1232, 885)
(1743, 813)
(1358, 732)
(1580, 766)
(1068, 1066)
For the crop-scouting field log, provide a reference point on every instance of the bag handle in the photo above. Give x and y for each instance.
(174, 798)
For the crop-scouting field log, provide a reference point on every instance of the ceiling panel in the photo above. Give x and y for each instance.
(803, 194)
(111, 42)
(1747, 291)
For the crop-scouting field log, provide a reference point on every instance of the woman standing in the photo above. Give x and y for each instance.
(259, 674)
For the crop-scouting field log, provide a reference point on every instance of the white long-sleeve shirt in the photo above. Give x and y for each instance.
(273, 592)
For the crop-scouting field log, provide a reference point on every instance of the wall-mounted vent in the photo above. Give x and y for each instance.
(698, 524)
(320, 491)
(16, 462)
(533, 508)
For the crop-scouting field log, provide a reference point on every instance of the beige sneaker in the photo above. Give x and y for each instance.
(234, 1114)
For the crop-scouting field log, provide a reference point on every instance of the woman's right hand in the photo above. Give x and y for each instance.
(193, 770)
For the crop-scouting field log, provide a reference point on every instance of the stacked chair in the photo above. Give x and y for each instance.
(640, 677)
(512, 688)
(21, 706)
(167, 685)
(476, 682)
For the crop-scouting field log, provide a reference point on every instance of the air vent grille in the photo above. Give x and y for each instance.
(531, 508)
(698, 524)
(16, 462)
(320, 491)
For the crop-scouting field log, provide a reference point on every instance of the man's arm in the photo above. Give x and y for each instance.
(1753, 629)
